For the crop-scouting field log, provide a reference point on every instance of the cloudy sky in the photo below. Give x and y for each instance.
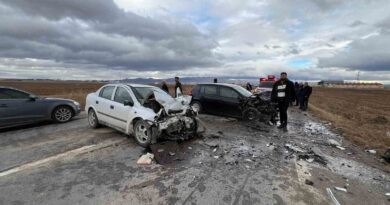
(113, 39)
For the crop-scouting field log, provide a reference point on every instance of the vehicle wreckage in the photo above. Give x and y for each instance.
(259, 107)
(146, 112)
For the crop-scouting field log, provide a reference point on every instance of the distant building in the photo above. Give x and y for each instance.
(356, 84)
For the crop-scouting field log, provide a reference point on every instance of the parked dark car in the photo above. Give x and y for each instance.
(233, 101)
(19, 107)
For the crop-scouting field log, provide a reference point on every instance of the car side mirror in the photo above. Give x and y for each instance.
(128, 103)
(32, 97)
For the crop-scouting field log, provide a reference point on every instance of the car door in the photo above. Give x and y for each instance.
(209, 99)
(230, 103)
(121, 112)
(103, 104)
(17, 107)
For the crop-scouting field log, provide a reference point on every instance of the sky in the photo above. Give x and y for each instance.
(116, 39)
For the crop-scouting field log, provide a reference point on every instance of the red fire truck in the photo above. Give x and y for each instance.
(267, 83)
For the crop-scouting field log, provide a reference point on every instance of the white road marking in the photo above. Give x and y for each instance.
(68, 154)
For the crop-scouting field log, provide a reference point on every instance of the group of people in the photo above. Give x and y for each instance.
(178, 87)
(302, 94)
(285, 92)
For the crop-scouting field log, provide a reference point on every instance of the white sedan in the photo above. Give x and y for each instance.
(147, 112)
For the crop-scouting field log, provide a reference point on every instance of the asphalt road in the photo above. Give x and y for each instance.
(233, 163)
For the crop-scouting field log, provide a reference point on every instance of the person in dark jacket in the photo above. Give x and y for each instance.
(178, 87)
(164, 86)
(249, 86)
(307, 90)
(283, 93)
(296, 88)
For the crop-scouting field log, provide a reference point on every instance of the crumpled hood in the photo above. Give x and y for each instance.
(170, 103)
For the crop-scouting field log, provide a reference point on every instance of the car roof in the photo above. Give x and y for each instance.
(221, 84)
(131, 85)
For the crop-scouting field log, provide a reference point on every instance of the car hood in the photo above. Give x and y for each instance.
(58, 99)
(170, 103)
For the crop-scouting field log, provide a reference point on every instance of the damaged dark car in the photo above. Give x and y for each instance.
(233, 101)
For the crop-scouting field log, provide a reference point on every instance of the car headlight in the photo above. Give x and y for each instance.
(76, 103)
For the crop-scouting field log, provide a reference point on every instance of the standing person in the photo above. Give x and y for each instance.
(301, 95)
(307, 90)
(164, 86)
(249, 86)
(178, 87)
(282, 93)
(296, 88)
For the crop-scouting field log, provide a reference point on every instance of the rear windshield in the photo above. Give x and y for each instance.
(266, 84)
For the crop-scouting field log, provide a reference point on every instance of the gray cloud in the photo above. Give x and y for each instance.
(98, 32)
(368, 54)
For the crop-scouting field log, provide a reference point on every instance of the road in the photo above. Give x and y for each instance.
(232, 163)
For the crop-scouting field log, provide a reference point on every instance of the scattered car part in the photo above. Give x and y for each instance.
(331, 195)
(145, 159)
(341, 189)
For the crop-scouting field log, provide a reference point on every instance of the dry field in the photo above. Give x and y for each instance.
(363, 116)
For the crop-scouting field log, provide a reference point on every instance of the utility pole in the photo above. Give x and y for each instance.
(358, 76)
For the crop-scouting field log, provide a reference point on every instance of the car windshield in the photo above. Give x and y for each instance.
(266, 84)
(243, 91)
(141, 93)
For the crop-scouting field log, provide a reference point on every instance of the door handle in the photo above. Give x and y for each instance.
(97, 102)
(3, 105)
(111, 106)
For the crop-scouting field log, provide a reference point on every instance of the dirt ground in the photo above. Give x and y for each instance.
(231, 163)
(361, 115)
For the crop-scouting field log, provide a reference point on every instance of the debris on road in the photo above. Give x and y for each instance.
(334, 143)
(386, 155)
(293, 148)
(371, 151)
(331, 195)
(312, 156)
(145, 159)
(387, 194)
(172, 154)
(308, 182)
(341, 189)
(341, 148)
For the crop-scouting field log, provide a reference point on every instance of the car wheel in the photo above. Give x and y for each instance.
(142, 133)
(251, 114)
(196, 106)
(92, 119)
(62, 114)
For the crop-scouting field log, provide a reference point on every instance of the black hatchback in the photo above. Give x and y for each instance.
(219, 99)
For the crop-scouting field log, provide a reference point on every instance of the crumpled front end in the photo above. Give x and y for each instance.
(175, 119)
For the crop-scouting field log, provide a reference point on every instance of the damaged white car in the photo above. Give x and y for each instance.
(144, 111)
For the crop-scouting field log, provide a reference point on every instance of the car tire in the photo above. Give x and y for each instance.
(93, 120)
(62, 114)
(142, 133)
(251, 114)
(196, 106)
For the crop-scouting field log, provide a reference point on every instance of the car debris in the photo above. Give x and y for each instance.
(294, 148)
(333, 143)
(340, 189)
(309, 182)
(331, 195)
(341, 148)
(259, 107)
(387, 194)
(146, 159)
(386, 155)
(371, 151)
(311, 156)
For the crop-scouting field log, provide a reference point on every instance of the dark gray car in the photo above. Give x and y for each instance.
(19, 107)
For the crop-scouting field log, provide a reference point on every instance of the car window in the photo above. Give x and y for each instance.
(121, 95)
(228, 92)
(106, 92)
(6, 93)
(210, 90)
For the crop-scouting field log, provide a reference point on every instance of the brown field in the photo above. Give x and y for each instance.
(363, 116)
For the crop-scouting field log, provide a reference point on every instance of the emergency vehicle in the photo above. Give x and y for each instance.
(267, 83)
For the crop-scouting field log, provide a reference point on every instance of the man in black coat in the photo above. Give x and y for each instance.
(283, 93)
(307, 90)
(164, 87)
(178, 88)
